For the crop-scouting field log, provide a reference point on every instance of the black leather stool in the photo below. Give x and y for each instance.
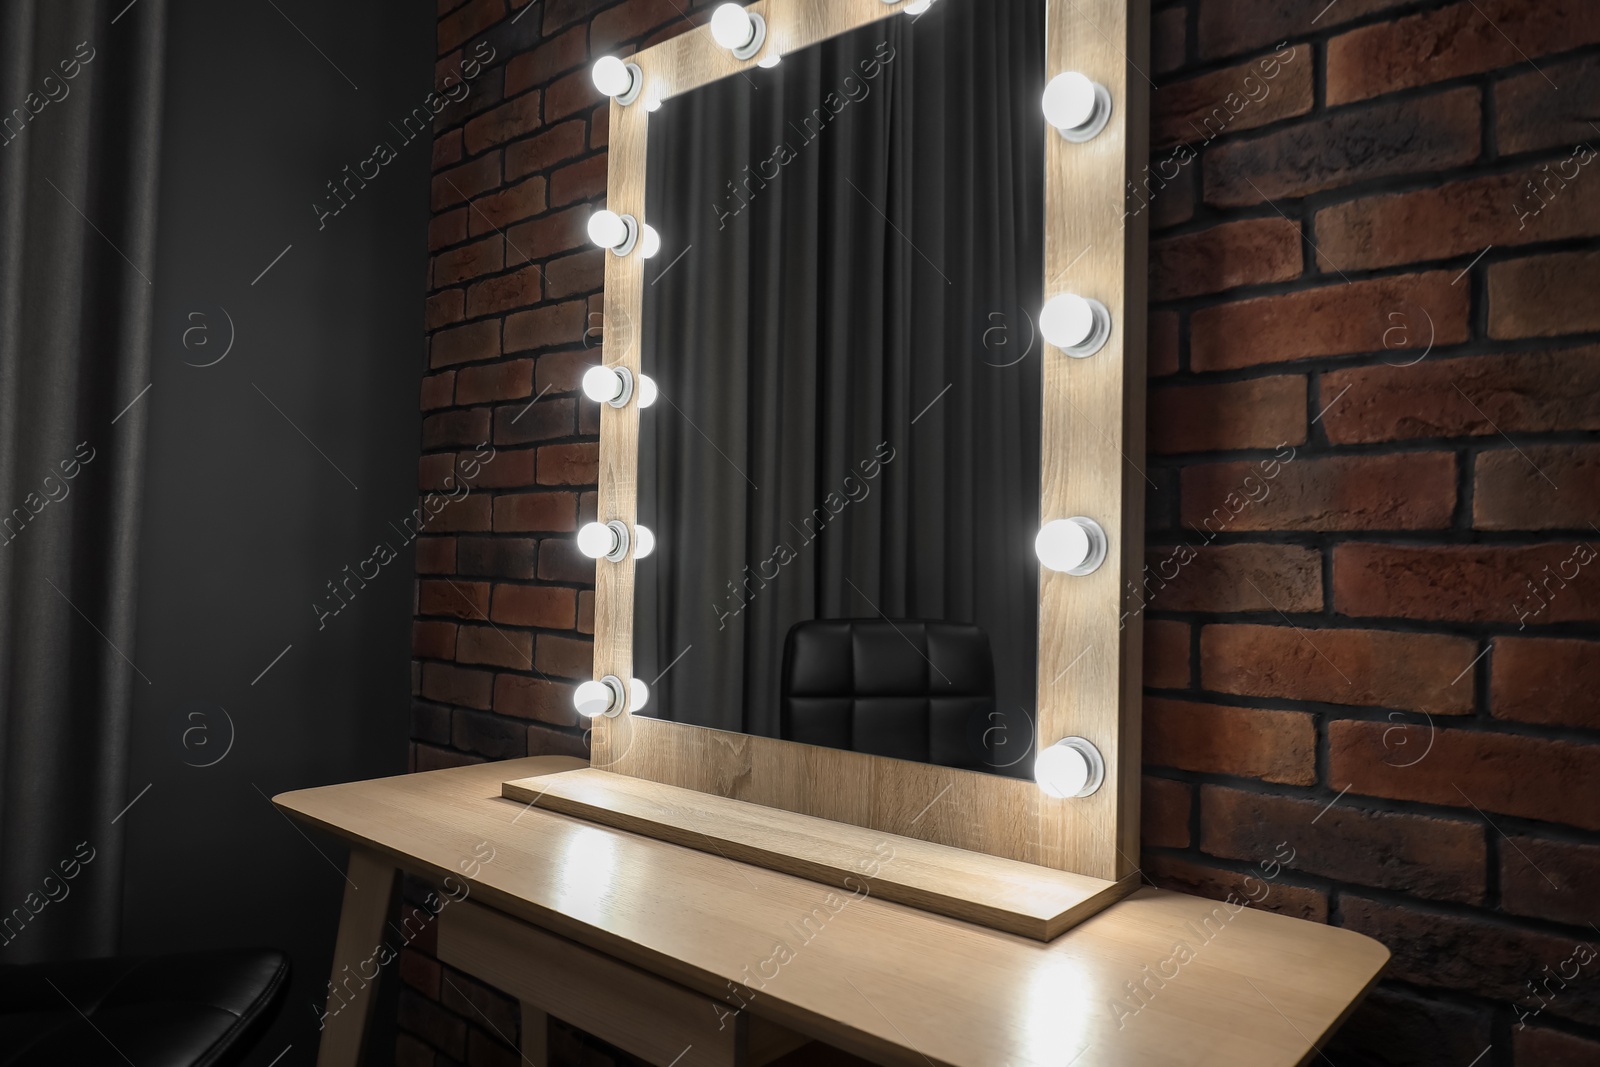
(910, 689)
(201, 1009)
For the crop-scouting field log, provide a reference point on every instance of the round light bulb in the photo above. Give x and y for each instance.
(592, 699)
(1062, 771)
(770, 61)
(647, 390)
(1067, 320)
(649, 241)
(644, 542)
(602, 384)
(638, 695)
(917, 7)
(597, 540)
(612, 76)
(1076, 545)
(1062, 545)
(1069, 101)
(732, 27)
(607, 229)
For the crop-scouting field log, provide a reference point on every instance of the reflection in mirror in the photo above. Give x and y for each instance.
(842, 469)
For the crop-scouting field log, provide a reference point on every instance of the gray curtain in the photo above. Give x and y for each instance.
(838, 310)
(80, 108)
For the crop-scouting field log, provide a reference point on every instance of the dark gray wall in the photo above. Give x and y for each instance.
(274, 469)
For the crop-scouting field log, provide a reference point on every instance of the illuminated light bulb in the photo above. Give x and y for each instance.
(619, 233)
(732, 27)
(1076, 106)
(592, 699)
(1072, 767)
(1077, 326)
(770, 61)
(917, 7)
(607, 229)
(1066, 320)
(647, 390)
(1068, 100)
(618, 79)
(597, 540)
(1072, 546)
(602, 384)
(649, 241)
(653, 104)
(638, 695)
(608, 385)
(644, 542)
(741, 32)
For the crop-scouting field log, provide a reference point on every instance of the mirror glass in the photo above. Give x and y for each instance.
(842, 465)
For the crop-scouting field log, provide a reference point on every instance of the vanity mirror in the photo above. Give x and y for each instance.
(843, 465)
(872, 391)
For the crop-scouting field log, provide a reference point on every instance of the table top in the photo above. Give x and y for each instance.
(1160, 979)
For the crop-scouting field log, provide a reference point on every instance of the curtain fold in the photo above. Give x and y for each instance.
(842, 432)
(80, 110)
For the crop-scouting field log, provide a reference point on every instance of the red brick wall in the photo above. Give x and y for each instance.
(1375, 381)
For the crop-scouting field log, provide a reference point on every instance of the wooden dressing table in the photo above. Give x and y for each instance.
(655, 947)
(809, 763)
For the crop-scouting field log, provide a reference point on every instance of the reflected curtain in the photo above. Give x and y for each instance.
(849, 425)
(80, 106)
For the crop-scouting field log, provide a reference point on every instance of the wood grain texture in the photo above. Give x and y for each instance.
(881, 980)
(654, 1019)
(1020, 898)
(1093, 456)
(1092, 440)
(619, 427)
(368, 893)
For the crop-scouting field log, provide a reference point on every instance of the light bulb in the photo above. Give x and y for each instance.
(1062, 545)
(615, 78)
(609, 385)
(1075, 546)
(649, 241)
(608, 229)
(592, 699)
(770, 61)
(732, 27)
(1067, 320)
(741, 32)
(647, 390)
(602, 384)
(597, 540)
(1072, 767)
(638, 695)
(1076, 106)
(1078, 326)
(917, 7)
(644, 542)
(1068, 100)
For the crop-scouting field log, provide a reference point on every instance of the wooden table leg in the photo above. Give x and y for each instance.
(357, 959)
(535, 1035)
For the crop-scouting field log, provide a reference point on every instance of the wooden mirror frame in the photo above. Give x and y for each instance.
(1092, 449)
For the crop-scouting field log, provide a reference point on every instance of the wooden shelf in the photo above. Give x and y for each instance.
(1002, 894)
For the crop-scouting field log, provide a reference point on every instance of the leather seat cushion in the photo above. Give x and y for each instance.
(200, 1009)
(908, 689)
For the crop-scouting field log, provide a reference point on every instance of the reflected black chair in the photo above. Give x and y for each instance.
(199, 1009)
(906, 689)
